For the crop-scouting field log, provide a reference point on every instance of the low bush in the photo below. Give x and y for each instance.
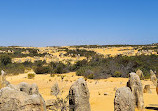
(14, 69)
(42, 69)
(119, 66)
(90, 76)
(59, 68)
(52, 75)
(117, 74)
(5, 59)
(31, 76)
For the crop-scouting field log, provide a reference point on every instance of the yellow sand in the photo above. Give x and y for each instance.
(98, 102)
(54, 51)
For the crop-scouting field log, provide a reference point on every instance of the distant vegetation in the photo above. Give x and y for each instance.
(105, 46)
(81, 52)
(93, 67)
(9, 67)
(149, 48)
(99, 67)
(119, 66)
(16, 52)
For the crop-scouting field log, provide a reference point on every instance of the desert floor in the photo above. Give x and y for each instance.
(97, 88)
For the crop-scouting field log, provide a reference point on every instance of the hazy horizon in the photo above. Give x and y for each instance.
(41, 23)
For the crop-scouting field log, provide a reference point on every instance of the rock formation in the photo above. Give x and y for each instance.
(3, 81)
(147, 89)
(135, 85)
(55, 89)
(79, 96)
(140, 74)
(124, 100)
(153, 77)
(23, 97)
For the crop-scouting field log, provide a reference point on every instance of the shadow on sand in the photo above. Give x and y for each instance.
(152, 108)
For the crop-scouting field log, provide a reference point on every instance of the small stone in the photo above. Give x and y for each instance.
(105, 94)
(147, 89)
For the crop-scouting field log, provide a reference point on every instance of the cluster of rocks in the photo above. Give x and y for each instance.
(129, 53)
(131, 96)
(8, 51)
(145, 52)
(21, 97)
(26, 97)
(142, 52)
(78, 96)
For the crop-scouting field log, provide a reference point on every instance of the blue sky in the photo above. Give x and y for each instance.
(75, 22)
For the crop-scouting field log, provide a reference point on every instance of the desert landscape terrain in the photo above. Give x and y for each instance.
(102, 92)
(78, 55)
(47, 66)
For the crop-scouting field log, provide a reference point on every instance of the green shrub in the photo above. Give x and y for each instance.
(90, 76)
(85, 78)
(52, 75)
(5, 59)
(117, 74)
(27, 64)
(80, 71)
(42, 69)
(39, 63)
(16, 68)
(59, 69)
(31, 76)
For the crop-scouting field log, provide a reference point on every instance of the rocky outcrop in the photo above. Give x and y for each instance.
(79, 96)
(147, 89)
(153, 77)
(140, 74)
(124, 100)
(3, 81)
(55, 90)
(23, 97)
(135, 85)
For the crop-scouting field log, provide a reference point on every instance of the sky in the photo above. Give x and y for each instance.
(78, 22)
